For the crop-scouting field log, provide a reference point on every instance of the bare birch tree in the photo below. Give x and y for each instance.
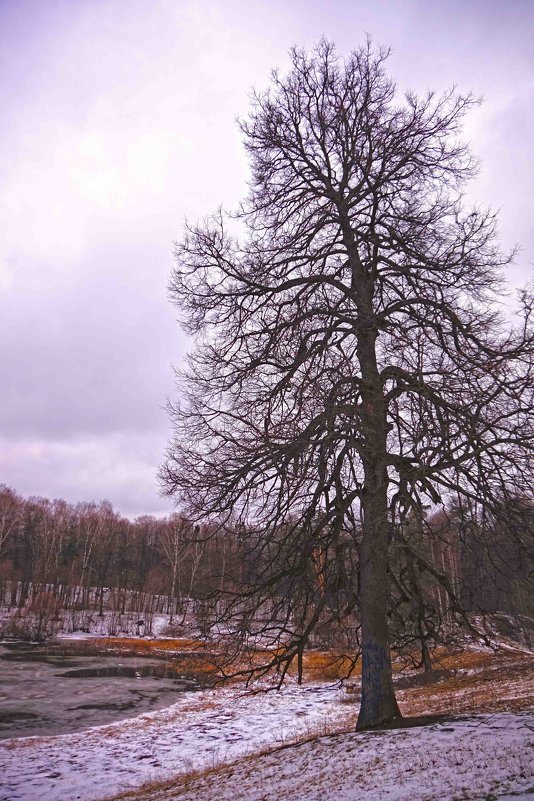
(172, 541)
(10, 515)
(351, 363)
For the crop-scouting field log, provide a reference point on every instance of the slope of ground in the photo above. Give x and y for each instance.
(488, 757)
(173, 752)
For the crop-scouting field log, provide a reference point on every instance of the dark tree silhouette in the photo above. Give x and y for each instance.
(351, 363)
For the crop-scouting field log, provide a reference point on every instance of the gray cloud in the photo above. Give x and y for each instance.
(119, 122)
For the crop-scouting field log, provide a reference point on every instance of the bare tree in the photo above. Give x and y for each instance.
(10, 516)
(87, 518)
(104, 550)
(172, 545)
(351, 362)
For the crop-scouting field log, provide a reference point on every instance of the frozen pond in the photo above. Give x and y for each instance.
(44, 692)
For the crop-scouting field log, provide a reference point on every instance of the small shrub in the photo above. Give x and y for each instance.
(37, 622)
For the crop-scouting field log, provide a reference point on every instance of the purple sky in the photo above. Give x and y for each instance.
(117, 123)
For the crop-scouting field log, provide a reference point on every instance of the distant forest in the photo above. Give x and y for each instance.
(85, 556)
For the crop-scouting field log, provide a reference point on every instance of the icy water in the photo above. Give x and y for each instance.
(44, 692)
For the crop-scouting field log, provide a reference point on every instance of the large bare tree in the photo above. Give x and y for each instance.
(351, 363)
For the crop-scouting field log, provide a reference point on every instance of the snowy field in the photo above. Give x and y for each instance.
(201, 730)
(484, 757)
(467, 756)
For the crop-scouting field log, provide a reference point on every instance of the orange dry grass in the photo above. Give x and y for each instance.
(192, 655)
(459, 658)
(327, 666)
(475, 681)
(469, 680)
(330, 665)
(138, 645)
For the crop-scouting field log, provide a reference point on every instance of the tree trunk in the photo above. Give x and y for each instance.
(378, 703)
(173, 589)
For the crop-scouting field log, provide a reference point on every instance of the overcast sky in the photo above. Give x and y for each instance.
(117, 123)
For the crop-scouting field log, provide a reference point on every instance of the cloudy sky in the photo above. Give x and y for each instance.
(117, 124)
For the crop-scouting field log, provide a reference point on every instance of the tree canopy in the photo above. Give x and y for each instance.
(352, 361)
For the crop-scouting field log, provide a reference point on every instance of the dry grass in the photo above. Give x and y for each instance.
(461, 681)
(139, 645)
(193, 656)
(484, 677)
(473, 682)
(199, 656)
(328, 666)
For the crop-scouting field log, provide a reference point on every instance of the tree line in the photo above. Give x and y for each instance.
(290, 592)
(79, 552)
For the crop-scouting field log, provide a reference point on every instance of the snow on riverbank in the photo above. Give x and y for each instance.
(201, 730)
(469, 756)
(483, 756)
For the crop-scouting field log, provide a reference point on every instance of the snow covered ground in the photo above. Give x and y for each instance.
(201, 730)
(484, 757)
(488, 756)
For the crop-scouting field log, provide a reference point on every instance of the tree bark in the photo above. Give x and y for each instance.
(378, 703)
